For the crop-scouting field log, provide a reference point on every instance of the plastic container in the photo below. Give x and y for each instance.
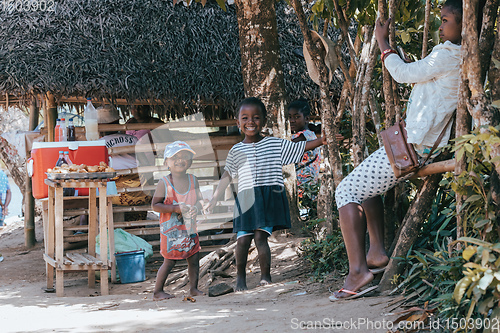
(63, 130)
(68, 191)
(57, 130)
(44, 155)
(90, 114)
(71, 131)
(131, 266)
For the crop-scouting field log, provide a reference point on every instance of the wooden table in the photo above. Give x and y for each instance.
(54, 255)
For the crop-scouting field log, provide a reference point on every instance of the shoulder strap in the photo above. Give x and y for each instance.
(169, 192)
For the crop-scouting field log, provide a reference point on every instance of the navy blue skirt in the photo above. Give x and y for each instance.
(263, 206)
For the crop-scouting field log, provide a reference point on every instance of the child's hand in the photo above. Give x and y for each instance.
(382, 30)
(188, 210)
(339, 137)
(208, 207)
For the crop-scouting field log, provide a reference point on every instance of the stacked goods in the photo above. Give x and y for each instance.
(81, 168)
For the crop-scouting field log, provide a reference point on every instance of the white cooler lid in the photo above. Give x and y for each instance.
(71, 145)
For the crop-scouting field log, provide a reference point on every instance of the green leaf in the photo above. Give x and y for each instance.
(469, 252)
(405, 37)
(461, 287)
(485, 281)
(460, 153)
(481, 223)
(473, 198)
(475, 241)
(222, 4)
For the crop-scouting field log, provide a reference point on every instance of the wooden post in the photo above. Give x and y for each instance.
(29, 200)
(51, 116)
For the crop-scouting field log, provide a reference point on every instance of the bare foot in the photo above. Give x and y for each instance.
(161, 295)
(354, 282)
(376, 260)
(264, 281)
(241, 284)
(196, 292)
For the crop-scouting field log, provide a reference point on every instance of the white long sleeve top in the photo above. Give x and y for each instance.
(434, 96)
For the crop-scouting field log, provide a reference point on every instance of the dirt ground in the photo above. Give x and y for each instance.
(291, 303)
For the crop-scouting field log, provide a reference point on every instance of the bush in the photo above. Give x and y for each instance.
(325, 255)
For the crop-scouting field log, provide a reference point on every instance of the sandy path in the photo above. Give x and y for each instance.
(292, 303)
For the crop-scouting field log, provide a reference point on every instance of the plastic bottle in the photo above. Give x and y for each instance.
(57, 129)
(63, 130)
(61, 160)
(90, 116)
(68, 191)
(71, 131)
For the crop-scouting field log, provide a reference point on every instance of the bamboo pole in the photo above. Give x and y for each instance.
(29, 200)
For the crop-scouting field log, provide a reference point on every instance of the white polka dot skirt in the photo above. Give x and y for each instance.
(374, 176)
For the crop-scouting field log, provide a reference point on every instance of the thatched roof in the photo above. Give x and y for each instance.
(137, 50)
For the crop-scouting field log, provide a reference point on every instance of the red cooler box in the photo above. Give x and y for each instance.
(44, 155)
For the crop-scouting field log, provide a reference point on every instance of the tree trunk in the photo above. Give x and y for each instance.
(29, 200)
(328, 116)
(263, 76)
(494, 79)
(409, 231)
(14, 163)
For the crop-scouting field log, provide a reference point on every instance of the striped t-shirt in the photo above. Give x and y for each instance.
(260, 163)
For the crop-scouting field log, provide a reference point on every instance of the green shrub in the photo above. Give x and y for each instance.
(325, 255)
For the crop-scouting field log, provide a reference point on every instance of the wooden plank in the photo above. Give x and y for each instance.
(203, 145)
(92, 233)
(169, 125)
(211, 248)
(92, 260)
(213, 226)
(215, 237)
(103, 225)
(111, 230)
(50, 237)
(207, 182)
(140, 223)
(50, 261)
(58, 215)
(79, 184)
(164, 168)
(59, 283)
(80, 261)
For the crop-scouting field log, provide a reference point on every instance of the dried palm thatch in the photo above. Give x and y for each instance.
(137, 50)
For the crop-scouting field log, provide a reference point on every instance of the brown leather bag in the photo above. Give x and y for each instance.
(401, 154)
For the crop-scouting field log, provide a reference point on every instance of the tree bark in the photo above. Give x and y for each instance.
(409, 231)
(263, 76)
(328, 116)
(463, 126)
(14, 163)
(29, 200)
(426, 28)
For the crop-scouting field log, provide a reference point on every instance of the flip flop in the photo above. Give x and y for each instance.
(378, 270)
(189, 298)
(354, 294)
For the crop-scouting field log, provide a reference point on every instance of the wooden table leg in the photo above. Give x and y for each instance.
(59, 282)
(111, 228)
(49, 236)
(103, 231)
(92, 232)
(59, 239)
